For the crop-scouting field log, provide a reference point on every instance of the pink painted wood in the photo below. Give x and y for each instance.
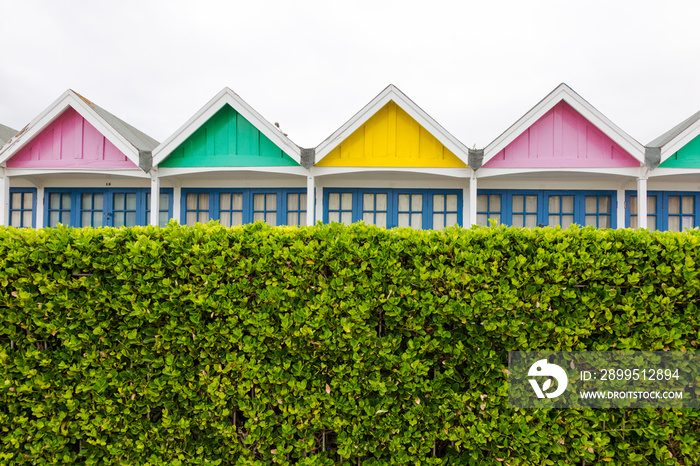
(562, 138)
(70, 141)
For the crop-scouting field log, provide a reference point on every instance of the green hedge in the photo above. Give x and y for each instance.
(329, 344)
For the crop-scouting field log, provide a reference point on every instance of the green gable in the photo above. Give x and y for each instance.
(228, 140)
(687, 157)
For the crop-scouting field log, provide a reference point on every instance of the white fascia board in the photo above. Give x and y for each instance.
(391, 93)
(663, 171)
(285, 170)
(495, 172)
(19, 172)
(680, 141)
(565, 93)
(56, 109)
(226, 96)
(451, 172)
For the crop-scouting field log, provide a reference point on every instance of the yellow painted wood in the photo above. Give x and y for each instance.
(391, 138)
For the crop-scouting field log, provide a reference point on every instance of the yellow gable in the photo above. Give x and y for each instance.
(391, 138)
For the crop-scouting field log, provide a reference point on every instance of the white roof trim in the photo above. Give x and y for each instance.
(680, 141)
(392, 93)
(565, 93)
(73, 100)
(226, 96)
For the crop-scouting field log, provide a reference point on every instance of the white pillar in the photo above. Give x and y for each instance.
(177, 194)
(319, 204)
(641, 202)
(40, 206)
(310, 200)
(155, 198)
(472, 199)
(621, 207)
(4, 198)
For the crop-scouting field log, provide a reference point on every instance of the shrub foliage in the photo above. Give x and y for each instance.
(329, 344)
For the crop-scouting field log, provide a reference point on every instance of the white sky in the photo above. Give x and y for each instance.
(474, 66)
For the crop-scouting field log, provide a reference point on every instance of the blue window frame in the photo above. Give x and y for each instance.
(666, 210)
(538, 208)
(165, 206)
(22, 207)
(233, 207)
(97, 207)
(415, 208)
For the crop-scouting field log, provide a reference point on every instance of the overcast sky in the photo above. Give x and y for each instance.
(475, 67)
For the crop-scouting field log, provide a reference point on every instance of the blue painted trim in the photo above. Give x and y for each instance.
(662, 214)
(247, 193)
(33, 191)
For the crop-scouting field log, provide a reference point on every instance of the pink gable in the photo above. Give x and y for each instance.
(562, 138)
(70, 142)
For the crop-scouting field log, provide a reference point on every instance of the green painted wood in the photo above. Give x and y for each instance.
(228, 140)
(687, 157)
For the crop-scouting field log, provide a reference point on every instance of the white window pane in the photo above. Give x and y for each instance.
(97, 219)
(334, 216)
(495, 202)
(688, 222)
(404, 220)
(381, 202)
(271, 201)
(163, 218)
(417, 221)
(85, 219)
(591, 221)
(259, 202)
(54, 201)
(451, 202)
(237, 201)
(367, 202)
(674, 204)
(302, 218)
(86, 202)
(53, 219)
(518, 220)
(633, 222)
(27, 218)
(16, 219)
(688, 205)
(451, 220)
(271, 218)
(604, 205)
(164, 200)
(381, 219)
(302, 202)
(259, 216)
(496, 217)
(651, 205)
(604, 221)
(651, 223)
(191, 218)
(97, 202)
(438, 202)
(346, 201)
(346, 218)
(568, 204)
(518, 203)
(292, 202)
(674, 224)
(591, 204)
(191, 203)
(204, 201)
(482, 203)
(531, 203)
(16, 200)
(633, 206)
(482, 220)
(118, 219)
(404, 203)
(65, 201)
(292, 219)
(334, 201)
(553, 207)
(225, 218)
(131, 201)
(531, 221)
(438, 221)
(368, 218)
(417, 202)
(203, 217)
(567, 221)
(119, 201)
(225, 201)
(553, 220)
(236, 219)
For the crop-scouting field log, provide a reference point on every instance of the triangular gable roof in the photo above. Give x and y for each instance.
(133, 143)
(6, 134)
(677, 137)
(565, 93)
(392, 93)
(226, 96)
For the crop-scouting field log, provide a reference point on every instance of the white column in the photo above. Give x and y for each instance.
(310, 200)
(319, 204)
(641, 202)
(621, 207)
(4, 198)
(155, 198)
(40, 206)
(177, 194)
(472, 199)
